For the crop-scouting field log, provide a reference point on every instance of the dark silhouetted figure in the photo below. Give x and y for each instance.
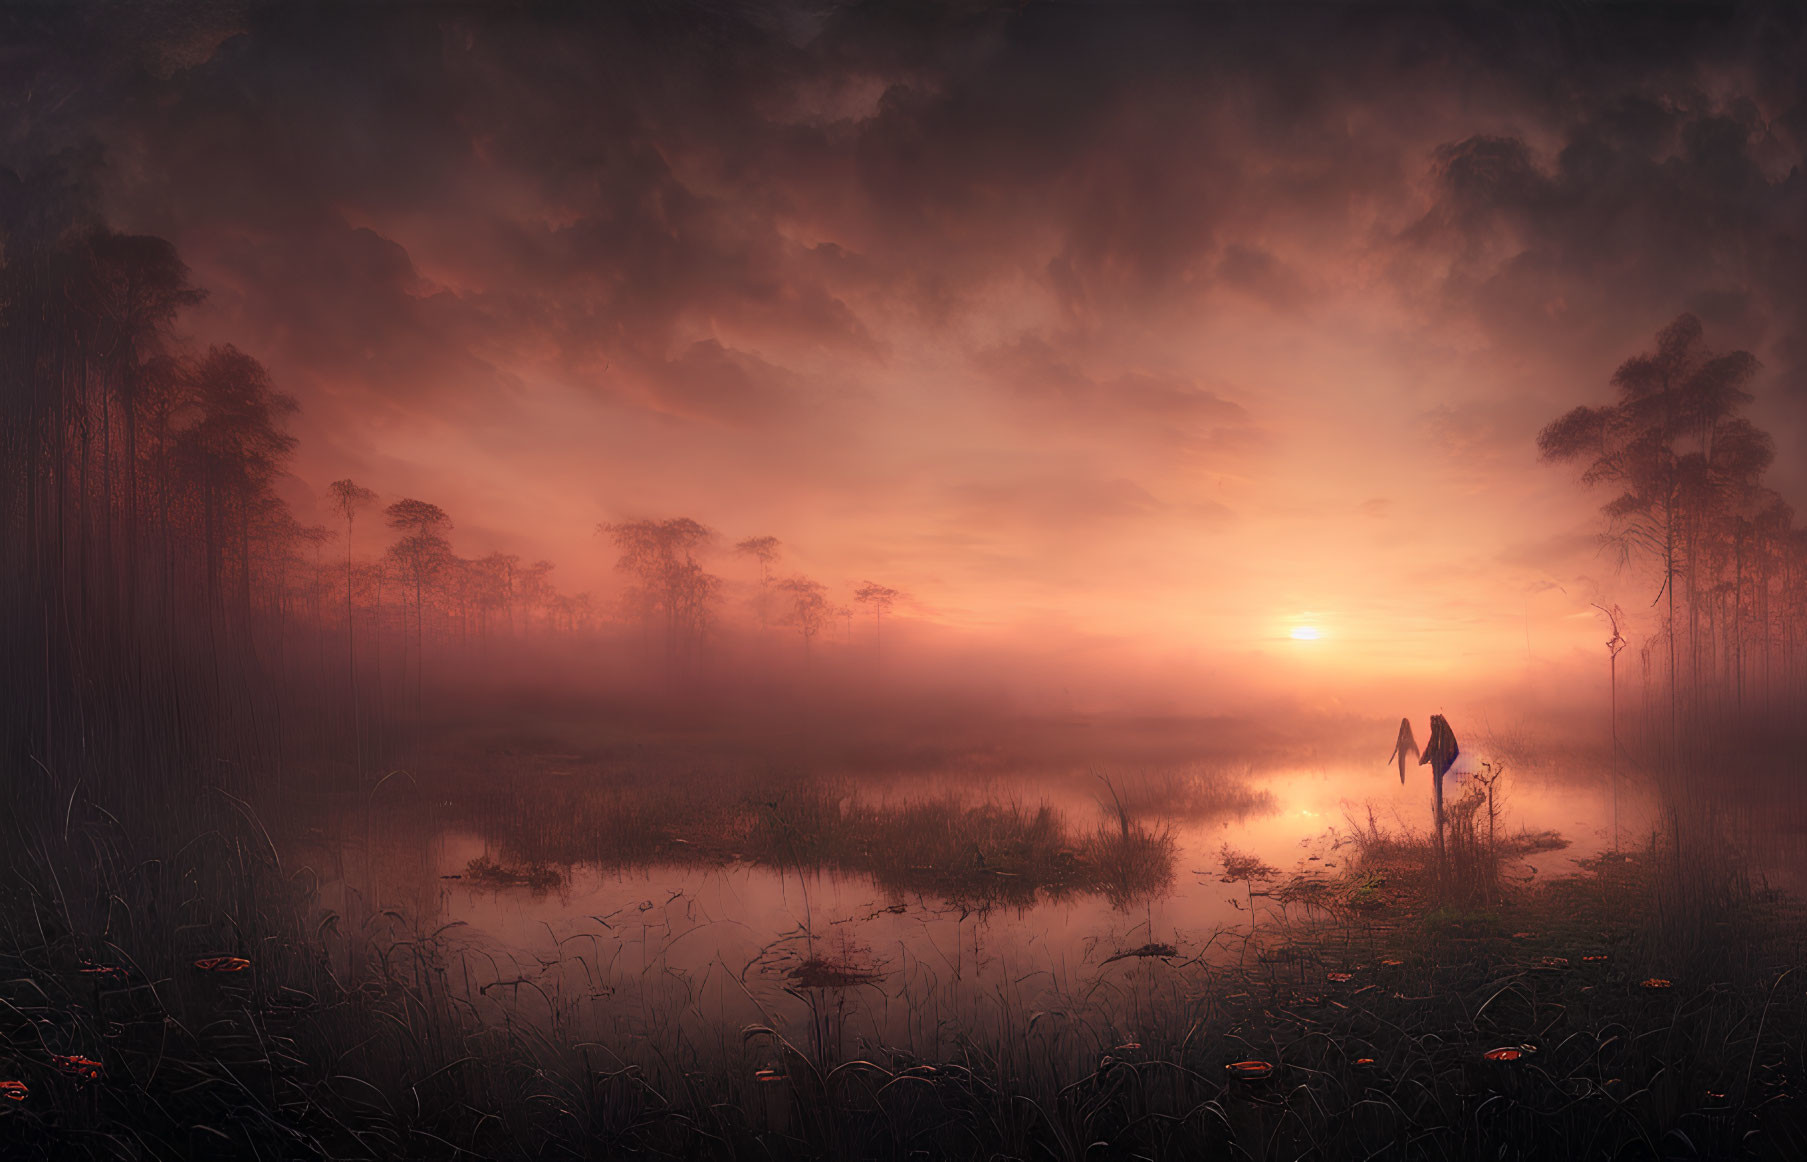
(1440, 752)
(1406, 743)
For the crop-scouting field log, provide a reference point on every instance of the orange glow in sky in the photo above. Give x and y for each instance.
(1095, 350)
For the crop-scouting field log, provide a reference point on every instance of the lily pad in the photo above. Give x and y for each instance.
(222, 964)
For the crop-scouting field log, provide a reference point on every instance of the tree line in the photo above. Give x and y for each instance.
(166, 608)
(1690, 509)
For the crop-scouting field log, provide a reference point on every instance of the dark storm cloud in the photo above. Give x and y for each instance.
(1660, 196)
(1261, 275)
(712, 382)
(1103, 222)
(533, 160)
(608, 178)
(350, 305)
(1645, 207)
(1052, 390)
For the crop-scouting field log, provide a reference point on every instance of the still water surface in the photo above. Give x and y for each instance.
(688, 949)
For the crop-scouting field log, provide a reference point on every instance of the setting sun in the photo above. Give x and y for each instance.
(1305, 633)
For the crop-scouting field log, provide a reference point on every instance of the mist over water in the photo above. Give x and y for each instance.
(836, 582)
(668, 910)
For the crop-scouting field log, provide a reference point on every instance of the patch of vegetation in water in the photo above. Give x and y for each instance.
(486, 872)
(824, 973)
(976, 854)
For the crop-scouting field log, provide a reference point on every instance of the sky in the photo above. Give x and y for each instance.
(1120, 332)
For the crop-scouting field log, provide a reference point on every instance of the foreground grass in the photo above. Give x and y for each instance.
(1375, 1007)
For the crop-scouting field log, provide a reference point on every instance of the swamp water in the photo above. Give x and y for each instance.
(678, 942)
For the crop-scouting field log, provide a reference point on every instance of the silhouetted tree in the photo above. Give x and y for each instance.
(233, 446)
(675, 589)
(420, 557)
(496, 586)
(349, 498)
(140, 286)
(1614, 646)
(135, 479)
(765, 550)
(805, 606)
(879, 599)
(1680, 455)
(536, 591)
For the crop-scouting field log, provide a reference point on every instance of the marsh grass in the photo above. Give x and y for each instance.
(1478, 849)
